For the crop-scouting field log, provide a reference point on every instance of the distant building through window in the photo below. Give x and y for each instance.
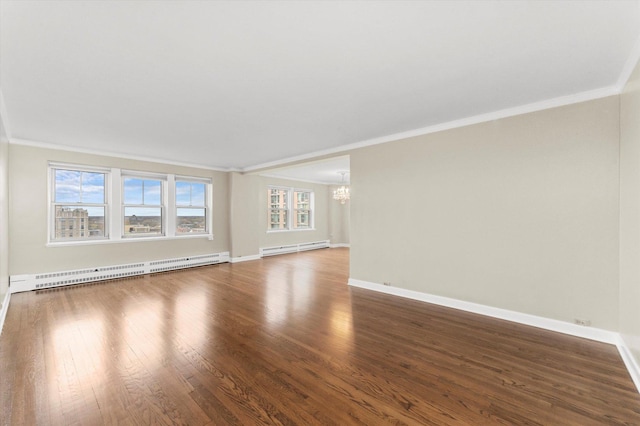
(289, 209)
(108, 204)
(278, 208)
(301, 209)
(79, 204)
(142, 207)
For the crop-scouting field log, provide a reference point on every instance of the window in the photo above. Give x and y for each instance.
(143, 207)
(301, 209)
(79, 198)
(278, 208)
(191, 207)
(289, 209)
(102, 205)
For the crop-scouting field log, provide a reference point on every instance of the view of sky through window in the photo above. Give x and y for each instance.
(72, 186)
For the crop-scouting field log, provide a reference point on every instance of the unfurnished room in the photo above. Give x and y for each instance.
(319, 212)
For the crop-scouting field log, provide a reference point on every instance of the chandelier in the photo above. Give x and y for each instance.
(342, 193)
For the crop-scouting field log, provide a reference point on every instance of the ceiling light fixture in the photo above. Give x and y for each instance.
(342, 194)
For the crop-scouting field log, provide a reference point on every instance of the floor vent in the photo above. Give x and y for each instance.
(20, 283)
(293, 248)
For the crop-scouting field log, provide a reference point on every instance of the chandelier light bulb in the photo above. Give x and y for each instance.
(342, 194)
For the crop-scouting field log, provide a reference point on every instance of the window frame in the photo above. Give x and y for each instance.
(289, 209)
(207, 205)
(144, 176)
(53, 204)
(296, 211)
(114, 206)
(271, 210)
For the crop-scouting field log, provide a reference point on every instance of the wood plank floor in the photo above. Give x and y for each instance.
(284, 340)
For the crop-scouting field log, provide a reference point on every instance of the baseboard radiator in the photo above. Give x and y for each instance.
(19, 283)
(293, 248)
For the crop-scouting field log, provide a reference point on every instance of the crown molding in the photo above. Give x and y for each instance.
(482, 118)
(629, 66)
(318, 182)
(47, 145)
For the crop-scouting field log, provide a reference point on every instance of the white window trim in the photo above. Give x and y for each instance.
(114, 211)
(126, 240)
(208, 226)
(170, 193)
(117, 223)
(79, 167)
(127, 174)
(52, 166)
(312, 210)
(290, 210)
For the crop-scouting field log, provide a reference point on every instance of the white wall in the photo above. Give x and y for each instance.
(28, 212)
(630, 214)
(519, 213)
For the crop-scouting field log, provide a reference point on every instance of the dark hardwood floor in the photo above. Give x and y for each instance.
(284, 340)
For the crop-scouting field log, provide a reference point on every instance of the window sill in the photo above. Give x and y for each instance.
(126, 240)
(277, 231)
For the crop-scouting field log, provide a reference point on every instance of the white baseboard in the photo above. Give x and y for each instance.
(44, 280)
(629, 361)
(293, 248)
(5, 309)
(597, 334)
(286, 249)
(245, 258)
(339, 245)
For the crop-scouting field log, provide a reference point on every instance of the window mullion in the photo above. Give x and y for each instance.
(156, 214)
(81, 177)
(70, 217)
(290, 208)
(115, 195)
(170, 203)
(78, 216)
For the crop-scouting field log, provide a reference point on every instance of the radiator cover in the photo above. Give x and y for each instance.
(19, 283)
(293, 248)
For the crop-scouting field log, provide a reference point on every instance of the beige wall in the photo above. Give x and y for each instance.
(28, 212)
(519, 213)
(239, 216)
(630, 214)
(321, 213)
(4, 211)
(338, 219)
(249, 215)
(245, 233)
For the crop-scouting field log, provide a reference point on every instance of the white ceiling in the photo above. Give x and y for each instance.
(241, 85)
